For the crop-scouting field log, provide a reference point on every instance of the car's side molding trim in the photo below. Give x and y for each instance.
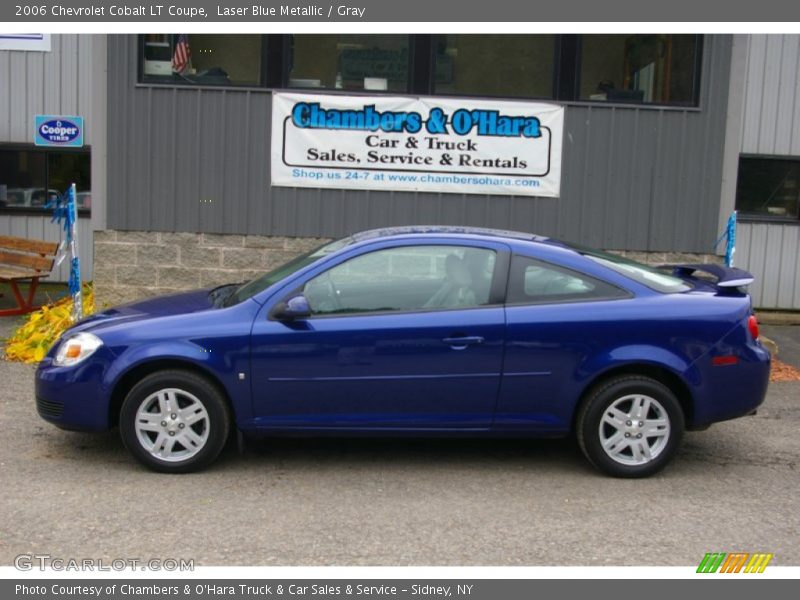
(527, 374)
(389, 377)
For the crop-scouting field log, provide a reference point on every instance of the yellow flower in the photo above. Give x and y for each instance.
(42, 328)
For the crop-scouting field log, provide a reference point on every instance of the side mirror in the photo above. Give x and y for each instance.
(295, 307)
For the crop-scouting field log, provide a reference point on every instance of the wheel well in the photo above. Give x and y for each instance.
(139, 372)
(664, 376)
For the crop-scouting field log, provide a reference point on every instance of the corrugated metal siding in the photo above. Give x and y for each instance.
(771, 126)
(770, 252)
(198, 160)
(772, 96)
(40, 228)
(55, 82)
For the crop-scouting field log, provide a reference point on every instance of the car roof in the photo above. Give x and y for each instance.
(446, 229)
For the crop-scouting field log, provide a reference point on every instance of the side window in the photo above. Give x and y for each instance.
(537, 282)
(405, 278)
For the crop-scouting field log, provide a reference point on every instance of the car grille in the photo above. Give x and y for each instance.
(50, 409)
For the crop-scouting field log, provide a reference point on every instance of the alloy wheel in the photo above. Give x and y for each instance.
(634, 429)
(172, 424)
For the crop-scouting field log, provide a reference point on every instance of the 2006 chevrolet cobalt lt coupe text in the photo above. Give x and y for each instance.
(434, 330)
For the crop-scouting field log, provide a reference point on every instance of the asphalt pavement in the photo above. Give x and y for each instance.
(787, 338)
(732, 488)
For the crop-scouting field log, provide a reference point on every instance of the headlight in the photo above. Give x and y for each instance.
(77, 348)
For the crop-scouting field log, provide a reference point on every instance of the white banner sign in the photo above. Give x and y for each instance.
(31, 42)
(417, 144)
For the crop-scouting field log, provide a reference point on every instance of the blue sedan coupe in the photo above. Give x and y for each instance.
(421, 331)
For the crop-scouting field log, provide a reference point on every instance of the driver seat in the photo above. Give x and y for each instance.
(456, 291)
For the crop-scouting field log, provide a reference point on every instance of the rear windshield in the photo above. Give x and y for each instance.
(656, 279)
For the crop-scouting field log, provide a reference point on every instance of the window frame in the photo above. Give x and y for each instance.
(413, 40)
(556, 66)
(46, 150)
(497, 288)
(694, 103)
(275, 70)
(763, 218)
(623, 294)
(146, 80)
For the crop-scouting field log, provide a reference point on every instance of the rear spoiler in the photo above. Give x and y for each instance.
(727, 277)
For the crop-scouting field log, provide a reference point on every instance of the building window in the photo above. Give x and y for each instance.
(350, 62)
(652, 69)
(514, 66)
(29, 178)
(202, 59)
(768, 187)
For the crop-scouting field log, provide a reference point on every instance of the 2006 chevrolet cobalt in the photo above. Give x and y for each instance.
(421, 331)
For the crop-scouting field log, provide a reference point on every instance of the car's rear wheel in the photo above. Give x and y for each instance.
(630, 426)
(174, 421)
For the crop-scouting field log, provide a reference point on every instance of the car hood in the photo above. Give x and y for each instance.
(161, 306)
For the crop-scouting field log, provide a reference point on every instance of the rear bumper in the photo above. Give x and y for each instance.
(732, 391)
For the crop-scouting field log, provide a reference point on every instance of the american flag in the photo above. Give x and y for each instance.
(182, 54)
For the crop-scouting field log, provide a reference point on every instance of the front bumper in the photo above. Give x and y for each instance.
(73, 398)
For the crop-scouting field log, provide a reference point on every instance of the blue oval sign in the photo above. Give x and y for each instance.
(59, 131)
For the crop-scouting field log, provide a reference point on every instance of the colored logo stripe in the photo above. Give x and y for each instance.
(711, 562)
(734, 562)
(758, 563)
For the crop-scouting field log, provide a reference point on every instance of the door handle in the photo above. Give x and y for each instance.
(459, 343)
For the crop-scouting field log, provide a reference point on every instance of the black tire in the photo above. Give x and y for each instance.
(196, 398)
(627, 443)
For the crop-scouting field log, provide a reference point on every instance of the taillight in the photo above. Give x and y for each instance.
(724, 361)
(752, 325)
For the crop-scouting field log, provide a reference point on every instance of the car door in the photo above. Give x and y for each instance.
(557, 318)
(408, 335)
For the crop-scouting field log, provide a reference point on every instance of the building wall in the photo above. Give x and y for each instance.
(197, 160)
(55, 82)
(138, 264)
(772, 96)
(771, 126)
(772, 253)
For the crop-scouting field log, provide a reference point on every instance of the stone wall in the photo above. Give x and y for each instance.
(129, 265)
(668, 258)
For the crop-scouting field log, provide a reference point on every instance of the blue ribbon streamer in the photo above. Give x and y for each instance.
(730, 234)
(74, 277)
(62, 213)
(65, 213)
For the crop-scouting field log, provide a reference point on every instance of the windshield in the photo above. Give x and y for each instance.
(251, 288)
(652, 277)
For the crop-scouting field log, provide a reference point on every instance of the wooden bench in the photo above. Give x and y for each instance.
(24, 260)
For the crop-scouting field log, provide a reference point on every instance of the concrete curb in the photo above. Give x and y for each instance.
(774, 317)
(771, 346)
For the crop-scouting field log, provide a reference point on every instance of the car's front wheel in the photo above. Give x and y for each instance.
(630, 426)
(174, 421)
